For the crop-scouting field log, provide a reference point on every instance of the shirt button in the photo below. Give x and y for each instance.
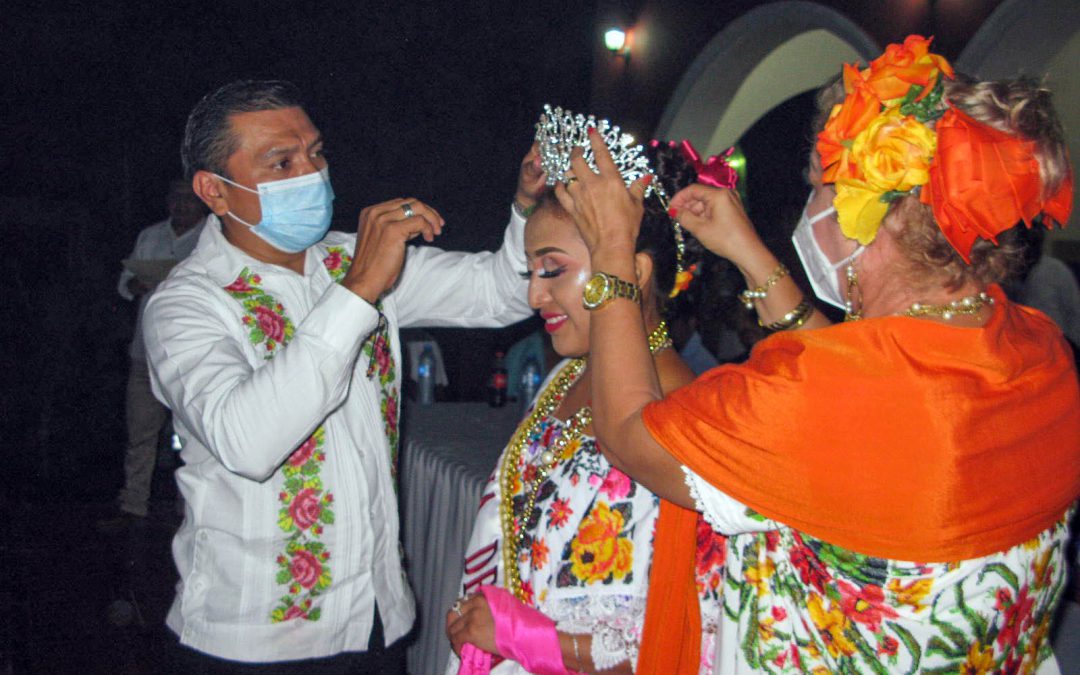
(203, 536)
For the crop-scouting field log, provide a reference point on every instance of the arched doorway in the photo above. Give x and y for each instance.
(761, 59)
(1039, 38)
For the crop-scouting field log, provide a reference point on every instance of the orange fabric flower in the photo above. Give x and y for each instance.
(846, 121)
(903, 65)
(984, 181)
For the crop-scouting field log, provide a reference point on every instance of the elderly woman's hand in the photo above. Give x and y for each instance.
(715, 216)
(470, 620)
(607, 214)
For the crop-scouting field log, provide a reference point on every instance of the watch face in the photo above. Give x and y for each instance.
(595, 291)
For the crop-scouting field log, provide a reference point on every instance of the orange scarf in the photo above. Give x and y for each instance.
(896, 437)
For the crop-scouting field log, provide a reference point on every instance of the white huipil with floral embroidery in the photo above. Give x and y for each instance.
(796, 604)
(585, 557)
(284, 393)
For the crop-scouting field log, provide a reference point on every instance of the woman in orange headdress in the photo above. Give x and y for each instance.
(896, 488)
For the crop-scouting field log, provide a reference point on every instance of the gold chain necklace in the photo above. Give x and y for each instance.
(513, 528)
(972, 304)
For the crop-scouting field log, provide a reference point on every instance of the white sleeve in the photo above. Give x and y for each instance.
(453, 288)
(137, 253)
(725, 514)
(251, 419)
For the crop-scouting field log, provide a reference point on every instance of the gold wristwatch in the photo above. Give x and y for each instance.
(603, 288)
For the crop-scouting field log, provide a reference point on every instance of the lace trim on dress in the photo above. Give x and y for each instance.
(614, 621)
(690, 478)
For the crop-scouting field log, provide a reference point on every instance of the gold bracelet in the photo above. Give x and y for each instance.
(792, 319)
(748, 296)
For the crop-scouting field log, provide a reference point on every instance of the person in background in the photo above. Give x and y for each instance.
(164, 243)
(896, 489)
(276, 346)
(1048, 285)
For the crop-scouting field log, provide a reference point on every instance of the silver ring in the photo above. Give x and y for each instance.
(457, 608)
(407, 208)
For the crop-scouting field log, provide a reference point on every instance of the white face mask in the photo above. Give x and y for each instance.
(819, 269)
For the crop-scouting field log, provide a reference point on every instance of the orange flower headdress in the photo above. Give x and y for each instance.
(878, 145)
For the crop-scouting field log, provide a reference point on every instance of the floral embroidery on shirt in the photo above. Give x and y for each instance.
(378, 351)
(305, 503)
(264, 317)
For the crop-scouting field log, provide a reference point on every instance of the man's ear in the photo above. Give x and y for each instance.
(210, 190)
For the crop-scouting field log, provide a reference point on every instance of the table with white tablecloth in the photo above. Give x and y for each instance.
(448, 452)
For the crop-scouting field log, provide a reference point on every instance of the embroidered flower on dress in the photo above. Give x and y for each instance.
(600, 552)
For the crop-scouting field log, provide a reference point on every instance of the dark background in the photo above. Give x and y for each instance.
(433, 100)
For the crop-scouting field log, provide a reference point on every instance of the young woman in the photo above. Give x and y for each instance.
(568, 537)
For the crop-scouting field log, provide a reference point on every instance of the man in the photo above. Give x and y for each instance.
(276, 347)
(161, 244)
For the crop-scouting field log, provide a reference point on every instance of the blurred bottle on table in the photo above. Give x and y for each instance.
(498, 381)
(530, 382)
(425, 375)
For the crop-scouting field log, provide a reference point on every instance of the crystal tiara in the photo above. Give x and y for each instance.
(560, 131)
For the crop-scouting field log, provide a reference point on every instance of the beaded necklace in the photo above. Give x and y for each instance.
(969, 305)
(513, 525)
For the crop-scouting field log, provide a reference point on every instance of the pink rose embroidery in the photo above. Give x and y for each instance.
(271, 324)
(391, 414)
(305, 568)
(333, 261)
(238, 286)
(616, 484)
(305, 508)
(304, 452)
(294, 612)
(382, 355)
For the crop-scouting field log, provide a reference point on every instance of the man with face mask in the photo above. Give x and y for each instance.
(162, 243)
(276, 346)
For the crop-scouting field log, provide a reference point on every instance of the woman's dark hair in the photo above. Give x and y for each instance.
(657, 235)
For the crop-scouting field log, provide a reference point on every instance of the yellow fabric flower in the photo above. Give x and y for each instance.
(892, 154)
(758, 575)
(859, 210)
(911, 594)
(980, 660)
(598, 552)
(831, 625)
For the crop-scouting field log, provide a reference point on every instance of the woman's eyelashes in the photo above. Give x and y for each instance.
(550, 274)
(543, 273)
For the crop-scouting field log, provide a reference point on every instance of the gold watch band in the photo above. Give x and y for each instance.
(602, 288)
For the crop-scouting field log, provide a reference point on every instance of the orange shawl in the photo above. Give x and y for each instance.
(896, 437)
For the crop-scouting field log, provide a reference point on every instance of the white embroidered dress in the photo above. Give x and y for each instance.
(584, 560)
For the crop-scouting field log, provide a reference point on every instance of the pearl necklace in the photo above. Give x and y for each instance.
(514, 525)
(969, 305)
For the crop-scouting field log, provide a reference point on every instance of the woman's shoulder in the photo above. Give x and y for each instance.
(672, 371)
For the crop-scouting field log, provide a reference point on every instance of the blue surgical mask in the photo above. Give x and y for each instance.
(296, 212)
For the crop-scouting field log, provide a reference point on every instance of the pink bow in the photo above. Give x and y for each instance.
(714, 171)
